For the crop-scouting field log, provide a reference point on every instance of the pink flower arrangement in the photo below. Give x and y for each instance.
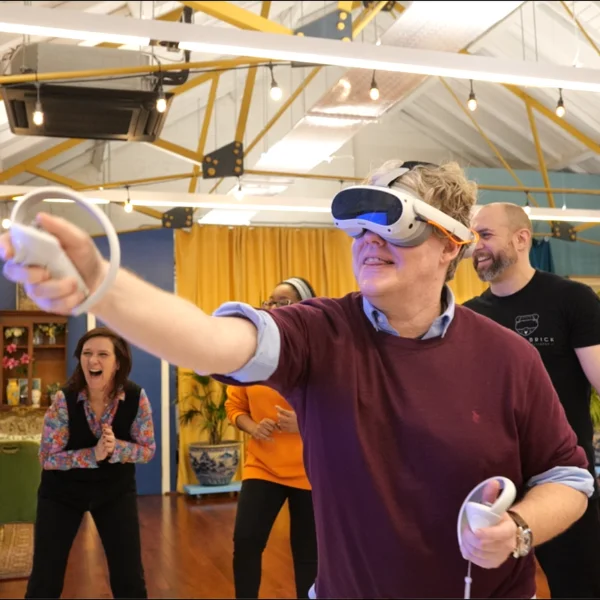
(12, 362)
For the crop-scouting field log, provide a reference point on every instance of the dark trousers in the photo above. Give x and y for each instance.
(56, 526)
(571, 561)
(259, 504)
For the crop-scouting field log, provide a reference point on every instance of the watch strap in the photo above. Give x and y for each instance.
(518, 519)
(524, 535)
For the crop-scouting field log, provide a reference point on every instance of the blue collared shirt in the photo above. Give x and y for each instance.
(438, 328)
(264, 363)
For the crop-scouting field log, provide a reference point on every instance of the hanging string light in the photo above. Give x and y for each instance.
(275, 92)
(38, 113)
(560, 105)
(374, 91)
(472, 101)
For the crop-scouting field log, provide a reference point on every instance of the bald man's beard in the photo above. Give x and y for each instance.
(490, 271)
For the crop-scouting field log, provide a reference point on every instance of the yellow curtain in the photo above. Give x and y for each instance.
(466, 284)
(214, 264)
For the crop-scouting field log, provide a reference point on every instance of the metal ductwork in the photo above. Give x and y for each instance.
(347, 106)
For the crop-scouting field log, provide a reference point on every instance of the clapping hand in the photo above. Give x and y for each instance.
(287, 420)
(106, 444)
(263, 430)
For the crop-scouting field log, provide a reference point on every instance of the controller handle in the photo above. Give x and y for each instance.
(35, 247)
(477, 515)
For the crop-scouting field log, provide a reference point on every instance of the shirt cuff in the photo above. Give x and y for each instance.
(266, 359)
(117, 455)
(575, 477)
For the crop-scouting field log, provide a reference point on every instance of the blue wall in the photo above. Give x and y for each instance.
(150, 255)
(570, 258)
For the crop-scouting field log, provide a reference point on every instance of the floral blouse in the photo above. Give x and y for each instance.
(55, 435)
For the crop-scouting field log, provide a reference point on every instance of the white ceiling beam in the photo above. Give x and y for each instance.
(506, 141)
(172, 199)
(6, 136)
(446, 141)
(571, 161)
(98, 151)
(105, 7)
(235, 42)
(464, 139)
(512, 112)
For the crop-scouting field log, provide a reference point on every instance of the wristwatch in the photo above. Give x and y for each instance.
(524, 535)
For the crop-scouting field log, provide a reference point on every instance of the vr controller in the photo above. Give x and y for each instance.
(475, 514)
(35, 247)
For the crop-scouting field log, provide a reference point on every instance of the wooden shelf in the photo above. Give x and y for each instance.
(49, 347)
(40, 347)
(49, 360)
(26, 407)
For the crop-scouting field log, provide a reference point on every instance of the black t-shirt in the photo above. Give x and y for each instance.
(556, 315)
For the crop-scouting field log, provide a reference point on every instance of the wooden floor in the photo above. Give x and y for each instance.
(187, 548)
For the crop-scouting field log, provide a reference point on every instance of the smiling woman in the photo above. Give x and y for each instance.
(98, 426)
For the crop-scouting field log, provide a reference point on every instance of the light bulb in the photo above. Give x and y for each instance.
(239, 192)
(161, 104)
(6, 223)
(128, 207)
(472, 103)
(374, 93)
(560, 109)
(38, 114)
(275, 92)
(527, 209)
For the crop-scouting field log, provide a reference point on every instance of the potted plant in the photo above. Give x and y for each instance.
(16, 389)
(52, 330)
(216, 460)
(14, 334)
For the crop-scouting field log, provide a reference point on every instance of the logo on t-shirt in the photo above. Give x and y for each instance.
(525, 325)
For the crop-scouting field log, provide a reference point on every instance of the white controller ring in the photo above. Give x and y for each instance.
(24, 208)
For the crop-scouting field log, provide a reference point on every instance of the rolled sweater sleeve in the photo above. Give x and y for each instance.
(281, 360)
(549, 447)
(266, 358)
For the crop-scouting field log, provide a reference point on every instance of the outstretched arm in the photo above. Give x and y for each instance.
(174, 329)
(159, 322)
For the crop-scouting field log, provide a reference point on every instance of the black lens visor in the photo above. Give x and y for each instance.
(378, 206)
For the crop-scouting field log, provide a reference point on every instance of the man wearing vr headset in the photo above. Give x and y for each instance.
(404, 400)
(561, 319)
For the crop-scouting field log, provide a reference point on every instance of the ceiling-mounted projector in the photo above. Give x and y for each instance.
(102, 109)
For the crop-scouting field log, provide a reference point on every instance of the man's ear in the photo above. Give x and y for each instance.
(451, 250)
(523, 239)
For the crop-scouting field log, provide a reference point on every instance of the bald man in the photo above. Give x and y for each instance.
(561, 318)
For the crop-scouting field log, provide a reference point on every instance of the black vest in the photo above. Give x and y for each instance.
(81, 436)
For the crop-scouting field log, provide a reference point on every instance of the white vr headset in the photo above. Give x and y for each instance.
(394, 213)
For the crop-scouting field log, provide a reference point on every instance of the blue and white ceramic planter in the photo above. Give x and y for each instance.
(215, 464)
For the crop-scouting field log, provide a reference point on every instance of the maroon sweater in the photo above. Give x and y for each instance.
(398, 431)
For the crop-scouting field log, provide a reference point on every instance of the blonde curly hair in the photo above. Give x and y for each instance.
(445, 187)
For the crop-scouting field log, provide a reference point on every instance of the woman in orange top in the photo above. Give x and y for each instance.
(273, 473)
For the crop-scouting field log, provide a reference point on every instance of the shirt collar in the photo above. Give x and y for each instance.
(84, 396)
(438, 328)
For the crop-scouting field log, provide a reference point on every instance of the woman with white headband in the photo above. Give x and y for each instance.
(273, 473)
